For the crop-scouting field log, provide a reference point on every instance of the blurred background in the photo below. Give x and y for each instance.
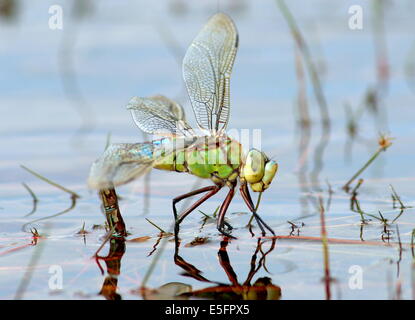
(320, 103)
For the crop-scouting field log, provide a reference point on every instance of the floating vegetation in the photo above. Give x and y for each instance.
(295, 227)
(140, 239)
(207, 218)
(197, 242)
(82, 231)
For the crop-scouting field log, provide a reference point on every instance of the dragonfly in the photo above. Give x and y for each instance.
(208, 152)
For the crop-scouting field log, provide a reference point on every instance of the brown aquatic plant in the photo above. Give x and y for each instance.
(140, 239)
(324, 241)
(197, 242)
(295, 227)
(82, 231)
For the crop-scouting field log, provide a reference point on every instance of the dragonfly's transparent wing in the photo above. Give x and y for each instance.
(207, 68)
(159, 115)
(121, 163)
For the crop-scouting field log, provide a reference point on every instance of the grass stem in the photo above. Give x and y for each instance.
(156, 226)
(35, 199)
(72, 193)
(384, 144)
(324, 242)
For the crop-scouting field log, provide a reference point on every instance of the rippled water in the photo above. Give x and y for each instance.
(63, 91)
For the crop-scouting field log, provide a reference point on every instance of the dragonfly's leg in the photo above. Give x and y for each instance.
(248, 200)
(213, 190)
(222, 212)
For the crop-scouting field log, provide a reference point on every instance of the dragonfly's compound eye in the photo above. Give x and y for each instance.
(253, 170)
(270, 170)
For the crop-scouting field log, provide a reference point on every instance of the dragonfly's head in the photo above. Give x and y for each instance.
(258, 170)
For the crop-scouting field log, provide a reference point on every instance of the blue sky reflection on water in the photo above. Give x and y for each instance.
(132, 48)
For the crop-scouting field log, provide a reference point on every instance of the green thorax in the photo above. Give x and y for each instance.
(218, 158)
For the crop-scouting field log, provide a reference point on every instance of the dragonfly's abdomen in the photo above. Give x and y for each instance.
(220, 163)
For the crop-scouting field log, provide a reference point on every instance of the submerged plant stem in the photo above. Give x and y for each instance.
(35, 199)
(72, 193)
(324, 242)
(73, 204)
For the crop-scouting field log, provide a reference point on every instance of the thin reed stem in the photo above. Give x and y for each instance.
(74, 194)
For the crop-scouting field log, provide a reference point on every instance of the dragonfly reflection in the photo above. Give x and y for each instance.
(261, 289)
(113, 264)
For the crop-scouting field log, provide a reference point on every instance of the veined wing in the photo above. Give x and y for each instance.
(207, 68)
(123, 162)
(119, 164)
(159, 115)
